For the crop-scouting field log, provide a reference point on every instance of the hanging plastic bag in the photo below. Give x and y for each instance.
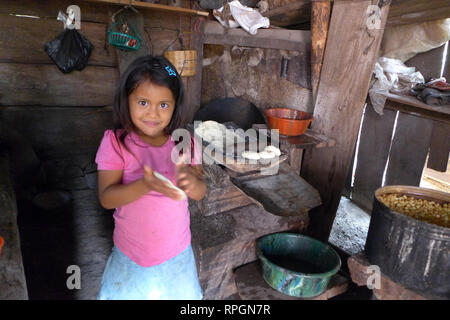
(248, 18)
(69, 50)
(391, 75)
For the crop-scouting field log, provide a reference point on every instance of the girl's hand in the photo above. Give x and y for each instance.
(189, 182)
(155, 184)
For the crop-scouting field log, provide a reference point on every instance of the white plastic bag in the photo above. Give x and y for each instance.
(249, 19)
(391, 75)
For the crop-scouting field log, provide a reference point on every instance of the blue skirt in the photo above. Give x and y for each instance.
(175, 279)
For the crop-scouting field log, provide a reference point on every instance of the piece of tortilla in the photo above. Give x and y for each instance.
(171, 185)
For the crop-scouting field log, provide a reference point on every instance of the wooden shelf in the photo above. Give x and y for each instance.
(283, 39)
(310, 139)
(154, 6)
(410, 104)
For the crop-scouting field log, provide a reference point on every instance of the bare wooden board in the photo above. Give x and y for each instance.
(375, 140)
(388, 290)
(310, 139)
(42, 84)
(90, 12)
(298, 40)
(252, 286)
(194, 93)
(409, 150)
(429, 63)
(416, 11)
(350, 55)
(282, 194)
(38, 32)
(439, 147)
(12, 274)
(320, 18)
(153, 6)
(346, 192)
(412, 105)
(221, 194)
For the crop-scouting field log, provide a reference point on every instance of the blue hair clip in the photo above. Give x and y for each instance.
(170, 71)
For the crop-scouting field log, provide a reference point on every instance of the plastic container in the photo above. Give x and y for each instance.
(124, 41)
(297, 265)
(409, 251)
(289, 122)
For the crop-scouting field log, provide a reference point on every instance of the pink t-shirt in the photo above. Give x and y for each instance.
(154, 228)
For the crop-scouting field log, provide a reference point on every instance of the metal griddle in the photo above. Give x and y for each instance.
(281, 192)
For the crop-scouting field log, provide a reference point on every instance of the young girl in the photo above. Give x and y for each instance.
(152, 256)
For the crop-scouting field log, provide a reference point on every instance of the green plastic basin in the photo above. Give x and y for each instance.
(297, 265)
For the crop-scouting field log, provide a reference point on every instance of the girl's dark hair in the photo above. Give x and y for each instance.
(153, 69)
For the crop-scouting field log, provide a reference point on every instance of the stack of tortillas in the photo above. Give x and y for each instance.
(216, 133)
(269, 152)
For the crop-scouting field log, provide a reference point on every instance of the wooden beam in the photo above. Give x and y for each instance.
(296, 5)
(350, 55)
(320, 18)
(409, 150)
(374, 144)
(154, 6)
(414, 11)
(46, 85)
(422, 16)
(283, 39)
(194, 93)
(439, 147)
(414, 106)
(38, 32)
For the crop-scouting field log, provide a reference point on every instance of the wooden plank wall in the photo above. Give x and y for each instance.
(348, 62)
(373, 152)
(400, 153)
(54, 110)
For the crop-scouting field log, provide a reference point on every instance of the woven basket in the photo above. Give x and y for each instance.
(185, 61)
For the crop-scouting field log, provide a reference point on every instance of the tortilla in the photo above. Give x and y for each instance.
(273, 149)
(171, 185)
(251, 155)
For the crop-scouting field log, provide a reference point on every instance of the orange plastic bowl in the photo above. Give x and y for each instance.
(289, 122)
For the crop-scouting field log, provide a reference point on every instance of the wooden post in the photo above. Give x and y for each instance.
(352, 46)
(194, 94)
(320, 17)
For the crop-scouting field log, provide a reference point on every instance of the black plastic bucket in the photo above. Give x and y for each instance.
(411, 252)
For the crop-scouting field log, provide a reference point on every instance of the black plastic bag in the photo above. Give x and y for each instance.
(69, 50)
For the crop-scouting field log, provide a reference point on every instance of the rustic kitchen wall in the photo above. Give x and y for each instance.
(62, 112)
(51, 125)
(257, 75)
